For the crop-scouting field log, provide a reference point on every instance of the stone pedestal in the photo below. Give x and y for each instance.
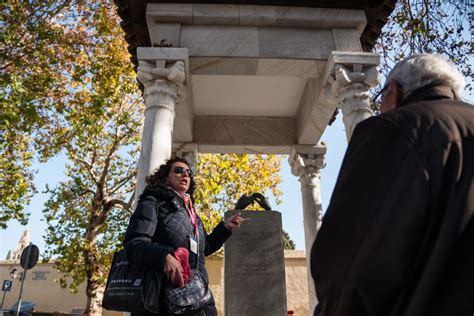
(254, 267)
(306, 162)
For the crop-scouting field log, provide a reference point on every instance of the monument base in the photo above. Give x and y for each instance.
(254, 267)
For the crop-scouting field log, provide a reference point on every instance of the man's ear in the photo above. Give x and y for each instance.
(397, 92)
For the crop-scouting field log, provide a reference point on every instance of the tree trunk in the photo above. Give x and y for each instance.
(95, 293)
(95, 289)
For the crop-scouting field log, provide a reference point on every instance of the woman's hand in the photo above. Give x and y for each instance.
(235, 221)
(172, 270)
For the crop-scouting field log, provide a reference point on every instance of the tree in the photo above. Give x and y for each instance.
(418, 26)
(288, 243)
(68, 87)
(222, 179)
(97, 127)
(33, 53)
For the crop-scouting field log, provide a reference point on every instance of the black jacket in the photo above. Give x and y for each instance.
(160, 224)
(398, 236)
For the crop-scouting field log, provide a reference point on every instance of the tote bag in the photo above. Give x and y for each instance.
(130, 287)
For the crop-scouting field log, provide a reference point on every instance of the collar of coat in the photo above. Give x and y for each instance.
(159, 192)
(162, 193)
(430, 92)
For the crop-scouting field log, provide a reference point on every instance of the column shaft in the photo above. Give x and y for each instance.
(306, 162)
(157, 139)
(312, 217)
(312, 208)
(163, 88)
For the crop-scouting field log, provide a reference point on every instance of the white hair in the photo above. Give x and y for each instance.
(422, 70)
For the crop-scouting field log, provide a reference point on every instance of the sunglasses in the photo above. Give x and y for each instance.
(180, 170)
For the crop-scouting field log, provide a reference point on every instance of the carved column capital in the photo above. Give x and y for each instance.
(349, 85)
(306, 162)
(162, 81)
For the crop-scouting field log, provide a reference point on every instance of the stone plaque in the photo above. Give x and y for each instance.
(254, 267)
(40, 275)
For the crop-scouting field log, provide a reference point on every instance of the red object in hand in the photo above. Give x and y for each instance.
(182, 255)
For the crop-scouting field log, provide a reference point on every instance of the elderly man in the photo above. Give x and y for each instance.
(398, 236)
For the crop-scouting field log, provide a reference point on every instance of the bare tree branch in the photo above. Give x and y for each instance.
(123, 182)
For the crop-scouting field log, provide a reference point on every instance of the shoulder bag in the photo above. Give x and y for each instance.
(190, 298)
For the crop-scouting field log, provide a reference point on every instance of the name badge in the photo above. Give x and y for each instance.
(193, 244)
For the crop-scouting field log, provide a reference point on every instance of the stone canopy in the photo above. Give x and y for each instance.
(256, 75)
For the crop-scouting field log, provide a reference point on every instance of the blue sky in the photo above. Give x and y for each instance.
(291, 207)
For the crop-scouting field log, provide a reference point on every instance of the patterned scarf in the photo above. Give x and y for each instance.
(188, 203)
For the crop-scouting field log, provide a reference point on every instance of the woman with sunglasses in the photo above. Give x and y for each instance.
(164, 220)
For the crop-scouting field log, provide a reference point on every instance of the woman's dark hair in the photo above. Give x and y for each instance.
(158, 178)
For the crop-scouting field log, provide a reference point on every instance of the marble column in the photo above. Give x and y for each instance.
(306, 163)
(164, 86)
(350, 85)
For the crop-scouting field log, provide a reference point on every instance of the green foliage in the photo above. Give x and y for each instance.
(69, 86)
(288, 243)
(16, 183)
(222, 179)
(32, 56)
(97, 126)
(71, 221)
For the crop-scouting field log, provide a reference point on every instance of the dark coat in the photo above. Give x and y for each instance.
(398, 236)
(160, 224)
